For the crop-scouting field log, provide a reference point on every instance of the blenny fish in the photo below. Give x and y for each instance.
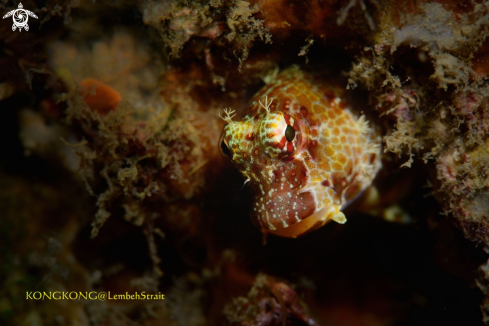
(304, 151)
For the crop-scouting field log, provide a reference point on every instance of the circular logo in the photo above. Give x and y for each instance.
(20, 18)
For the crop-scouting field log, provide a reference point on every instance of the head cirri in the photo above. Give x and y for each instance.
(303, 152)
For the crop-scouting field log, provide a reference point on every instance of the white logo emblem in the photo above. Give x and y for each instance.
(20, 17)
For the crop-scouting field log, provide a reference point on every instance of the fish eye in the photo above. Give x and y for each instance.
(289, 133)
(223, 146)
(225, 149)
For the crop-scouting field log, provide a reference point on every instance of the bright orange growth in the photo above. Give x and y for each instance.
(99, 97)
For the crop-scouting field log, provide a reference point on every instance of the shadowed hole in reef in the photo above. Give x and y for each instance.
(392, 264)
(117, 242)
(194, 251)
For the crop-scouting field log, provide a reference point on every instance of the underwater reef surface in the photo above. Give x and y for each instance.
(112, 176)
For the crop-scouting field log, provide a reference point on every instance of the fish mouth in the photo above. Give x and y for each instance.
(272, 212)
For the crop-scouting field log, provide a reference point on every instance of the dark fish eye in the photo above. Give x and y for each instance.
(289, 133)
(225, 149)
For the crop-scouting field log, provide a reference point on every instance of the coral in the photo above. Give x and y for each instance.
(162, 158)
(433, 123)
(483, 284)
(315, 19)
(403, 106)
(232, 23)
(245, 28)
(471, 111)
(163, 155)
(267, 303)
(463, 173)
(176, 22)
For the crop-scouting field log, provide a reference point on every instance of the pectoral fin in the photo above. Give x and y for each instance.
(338, 217)
(313, 222)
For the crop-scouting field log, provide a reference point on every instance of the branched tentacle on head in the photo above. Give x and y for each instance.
(229, 115)
(267, 104)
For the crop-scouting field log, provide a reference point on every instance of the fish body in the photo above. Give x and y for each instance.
(304, 151)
